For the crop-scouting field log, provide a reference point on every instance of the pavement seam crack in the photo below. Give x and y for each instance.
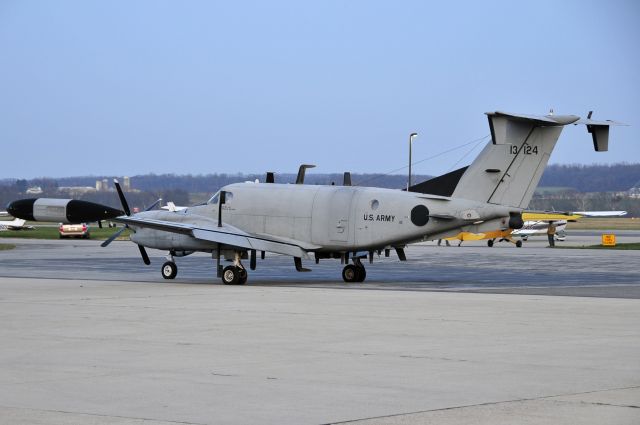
(492, 403)
(103, 415)
(610, 404)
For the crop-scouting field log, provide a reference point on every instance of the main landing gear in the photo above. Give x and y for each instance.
(517, 243)
(354, 272)
(235, 274)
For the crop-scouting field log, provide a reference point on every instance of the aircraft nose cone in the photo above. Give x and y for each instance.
(22, 208)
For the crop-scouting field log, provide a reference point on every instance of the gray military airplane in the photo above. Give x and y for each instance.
(350, 222)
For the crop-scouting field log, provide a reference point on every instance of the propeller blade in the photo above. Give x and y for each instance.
(112, 237)
(154, 204)
(145, 257)
(123, 201)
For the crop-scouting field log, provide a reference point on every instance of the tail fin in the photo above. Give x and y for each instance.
(508, 169)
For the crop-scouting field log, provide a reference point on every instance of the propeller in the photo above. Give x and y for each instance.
(143, 253)
(113, 237)
(127, 211)
(123, 200)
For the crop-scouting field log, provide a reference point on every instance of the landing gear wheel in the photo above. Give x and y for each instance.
(243, 277)
(490, 243)
(518, 244)
(350, 273)
(169, 270)
(361, 273)
(233, 275)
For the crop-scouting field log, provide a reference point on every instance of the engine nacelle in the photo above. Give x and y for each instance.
(61, 210)
(515, 220)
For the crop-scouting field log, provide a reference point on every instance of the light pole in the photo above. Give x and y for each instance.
(411, 137)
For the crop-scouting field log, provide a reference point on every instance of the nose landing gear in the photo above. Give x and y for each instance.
(169, 270)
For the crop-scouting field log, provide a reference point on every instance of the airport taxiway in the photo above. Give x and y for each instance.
(91, 335)
(473, 267)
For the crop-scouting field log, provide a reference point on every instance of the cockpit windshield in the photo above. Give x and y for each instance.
(228, 196)
(214, 198)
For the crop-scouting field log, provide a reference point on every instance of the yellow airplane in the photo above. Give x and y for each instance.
(534, 222)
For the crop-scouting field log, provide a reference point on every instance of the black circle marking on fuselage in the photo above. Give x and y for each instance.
(420, 215)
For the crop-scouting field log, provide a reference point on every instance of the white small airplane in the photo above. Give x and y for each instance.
(541, 224)
(173, 207)
(15, 224)
(601, 213)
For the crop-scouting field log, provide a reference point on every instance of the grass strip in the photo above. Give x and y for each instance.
(51, 232)
(620, 246)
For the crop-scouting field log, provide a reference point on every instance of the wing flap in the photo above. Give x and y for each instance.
(250, 242)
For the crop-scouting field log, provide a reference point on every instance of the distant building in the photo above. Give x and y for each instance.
(76, 190)
(105, 185)
(98, 185)
(126, 182)
(35, 190)
(634, 192)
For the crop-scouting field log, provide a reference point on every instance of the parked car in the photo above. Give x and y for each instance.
(74, 230)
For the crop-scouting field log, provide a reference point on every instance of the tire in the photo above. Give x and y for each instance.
(243, 276)
(361, 273)
(518, 244)
(231, 275)
(350, 273)
(169, 270)
(490, 243)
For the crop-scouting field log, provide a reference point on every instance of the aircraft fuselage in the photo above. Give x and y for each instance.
(325, 218)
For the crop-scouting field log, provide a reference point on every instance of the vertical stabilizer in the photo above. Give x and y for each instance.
(508, 169)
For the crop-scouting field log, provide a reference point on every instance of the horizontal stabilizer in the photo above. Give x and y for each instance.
(537, 120)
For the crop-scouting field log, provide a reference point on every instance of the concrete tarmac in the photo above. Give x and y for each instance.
(91, 335)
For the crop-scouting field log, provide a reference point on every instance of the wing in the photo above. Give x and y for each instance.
(549, 216)
(225, 235)
(601, 213)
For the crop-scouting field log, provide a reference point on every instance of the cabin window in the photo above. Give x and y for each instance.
(375, 204)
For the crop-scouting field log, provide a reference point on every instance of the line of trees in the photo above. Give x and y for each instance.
(592, 178)
(606, 180)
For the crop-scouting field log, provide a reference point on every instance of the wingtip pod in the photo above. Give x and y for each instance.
(600, 136)
(599, 131)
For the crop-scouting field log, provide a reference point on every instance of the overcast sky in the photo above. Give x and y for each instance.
(133, 87)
